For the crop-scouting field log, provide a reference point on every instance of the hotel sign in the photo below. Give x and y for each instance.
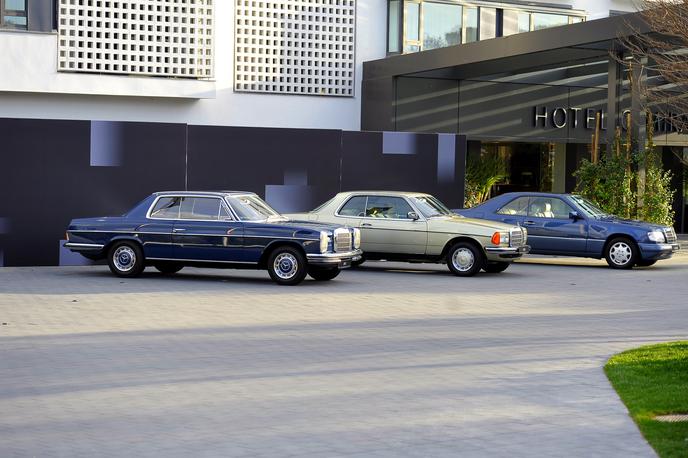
(560, 117)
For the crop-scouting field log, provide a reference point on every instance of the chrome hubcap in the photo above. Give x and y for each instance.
(620, 253)
(463, 259)
(124, 258)
(285, 266)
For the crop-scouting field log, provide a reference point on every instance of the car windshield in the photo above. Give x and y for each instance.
(252, 208)
(430, 207)
(590, 208)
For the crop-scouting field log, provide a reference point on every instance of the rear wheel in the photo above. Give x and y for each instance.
(125, 259)
(168, 268)
(621, 253)
(464, 259)
(496, 267)
(323, 274)
(287, 266)
(642, 263)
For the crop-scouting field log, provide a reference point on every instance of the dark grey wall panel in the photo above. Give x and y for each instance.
(47, 174)
(301, 164)
(427, 105)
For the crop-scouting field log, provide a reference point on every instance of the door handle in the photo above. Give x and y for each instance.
(366, 225)
(178, 230)
(528, 223)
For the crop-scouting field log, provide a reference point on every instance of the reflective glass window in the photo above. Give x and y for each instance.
(548, 207)
(441, 25)
(13, 14)
(517, 207)
(387, 207)
(523, 22)
(167, 208)
(354, 207)
(206, 208)
(412, 19)
(545, 21)
(470, 18)
(394, 34)
(488, 23)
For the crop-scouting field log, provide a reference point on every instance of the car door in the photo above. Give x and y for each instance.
(386, 227)
(514, 212)
(156, 233)
(551, 230)
(206, 231)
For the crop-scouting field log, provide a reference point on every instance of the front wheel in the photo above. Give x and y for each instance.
(320, 274)
(125, 259)
(496, 267)
(621, 253)
(464, 259)
(642, 263)
(287, 266)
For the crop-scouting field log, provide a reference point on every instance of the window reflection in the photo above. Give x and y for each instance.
(441, 25)
(471, 21)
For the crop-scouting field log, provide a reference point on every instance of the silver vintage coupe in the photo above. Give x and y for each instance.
(416, 227)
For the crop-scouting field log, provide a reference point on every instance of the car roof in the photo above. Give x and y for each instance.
(386, 193)
(535, 194)
(213, 193)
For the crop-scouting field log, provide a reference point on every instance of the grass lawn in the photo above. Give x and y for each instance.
(652, 381)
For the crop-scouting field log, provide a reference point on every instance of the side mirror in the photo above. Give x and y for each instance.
(574, 216)
(413, 215)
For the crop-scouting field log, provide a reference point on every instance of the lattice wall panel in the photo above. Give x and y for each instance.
(172, 38)
(295, 46)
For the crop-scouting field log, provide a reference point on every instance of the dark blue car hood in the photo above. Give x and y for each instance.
(629, 222)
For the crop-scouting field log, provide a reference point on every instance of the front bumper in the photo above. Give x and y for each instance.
(495, 253)
(341, 260)
(657, 251)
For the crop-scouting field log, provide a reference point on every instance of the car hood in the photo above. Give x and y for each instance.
(452, 223)
(301, 224)
(630, 222)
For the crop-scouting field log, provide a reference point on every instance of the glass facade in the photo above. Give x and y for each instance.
(13, 14)
(417, 25)
(442, 23)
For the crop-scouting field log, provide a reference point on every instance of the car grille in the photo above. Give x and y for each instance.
(670, 235)
(517, 237)
(342, 239)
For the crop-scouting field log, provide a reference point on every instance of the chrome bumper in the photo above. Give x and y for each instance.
(508, 252)
(83, 246)
(342, 260)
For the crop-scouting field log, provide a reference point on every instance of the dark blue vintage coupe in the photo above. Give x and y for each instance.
(170, 230)
(570, 225)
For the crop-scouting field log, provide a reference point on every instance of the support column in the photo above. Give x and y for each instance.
(638, 123)
(614, 75)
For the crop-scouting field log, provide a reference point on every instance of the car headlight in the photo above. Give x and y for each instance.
(357, 238)
(324, 241)
(656, 236)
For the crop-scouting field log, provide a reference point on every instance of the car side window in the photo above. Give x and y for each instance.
(517, 207)
(549, 207)
(204, 208)
(387, 207)
(355, 206)
(167, 208)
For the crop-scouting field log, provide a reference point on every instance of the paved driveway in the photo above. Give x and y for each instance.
(379, 362)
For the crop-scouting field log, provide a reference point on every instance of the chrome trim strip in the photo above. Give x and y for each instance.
(201, 260)
(347, 254)
(85, 246)
(199, 235)
(521, 249)
(553, 237)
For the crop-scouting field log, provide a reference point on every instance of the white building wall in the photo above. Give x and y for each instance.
(37, 90)
(31, 87)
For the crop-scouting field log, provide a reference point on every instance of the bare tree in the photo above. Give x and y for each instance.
(661, 56)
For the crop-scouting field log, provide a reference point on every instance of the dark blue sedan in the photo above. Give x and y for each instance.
(170, 230)
(570, 225)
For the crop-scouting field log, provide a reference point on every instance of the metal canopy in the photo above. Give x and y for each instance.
(547, 48)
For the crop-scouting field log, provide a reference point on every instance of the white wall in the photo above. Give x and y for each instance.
(31, 60)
